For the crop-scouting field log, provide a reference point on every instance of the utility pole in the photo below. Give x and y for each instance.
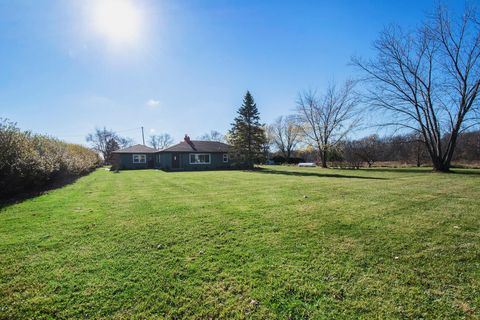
(143, 137)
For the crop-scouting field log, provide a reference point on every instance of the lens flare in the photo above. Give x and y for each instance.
(118, 21)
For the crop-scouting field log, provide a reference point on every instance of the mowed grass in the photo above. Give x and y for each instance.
(279, 243)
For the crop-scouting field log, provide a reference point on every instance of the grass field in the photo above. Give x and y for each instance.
(380, 243)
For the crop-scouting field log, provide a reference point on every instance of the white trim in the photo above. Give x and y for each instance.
(141, 155)
(199, 154)
(225, 157)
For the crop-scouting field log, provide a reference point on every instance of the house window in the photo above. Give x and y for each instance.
(199, 158)
(139, 158)
(225, 157)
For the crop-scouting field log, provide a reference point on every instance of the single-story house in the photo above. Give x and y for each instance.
(134, 157)
(186, 155)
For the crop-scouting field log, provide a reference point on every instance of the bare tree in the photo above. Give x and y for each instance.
(160, 141)
(417, 148)
(368, 149)
(326, 120)
(213, 136)
(106, 141)
(284, 133)
(428, 80)
(123, 142)
(350, 154)
(468, 146)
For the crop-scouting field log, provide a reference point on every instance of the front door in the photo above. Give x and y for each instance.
(175, 160)
(150, 162)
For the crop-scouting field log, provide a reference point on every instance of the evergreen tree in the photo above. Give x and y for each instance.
(247, 135)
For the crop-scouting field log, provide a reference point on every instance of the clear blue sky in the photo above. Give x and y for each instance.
(180, 67)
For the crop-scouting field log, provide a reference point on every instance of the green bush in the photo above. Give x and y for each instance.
(28, 161)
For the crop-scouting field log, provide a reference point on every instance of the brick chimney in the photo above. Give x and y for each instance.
(187, 140)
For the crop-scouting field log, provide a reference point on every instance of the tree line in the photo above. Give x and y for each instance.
(423, 82)
(426, 80)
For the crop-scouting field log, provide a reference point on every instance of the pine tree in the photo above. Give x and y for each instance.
(247, 135)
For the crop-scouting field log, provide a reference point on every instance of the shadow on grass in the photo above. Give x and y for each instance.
(466, 171)
(398, 170)
(6, 201)
(424, 170)
(314, 174)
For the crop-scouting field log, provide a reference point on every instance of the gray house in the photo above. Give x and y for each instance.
(134, 157)
(186, 155)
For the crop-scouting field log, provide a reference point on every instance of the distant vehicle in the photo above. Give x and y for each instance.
(307, 164)
(269, 162)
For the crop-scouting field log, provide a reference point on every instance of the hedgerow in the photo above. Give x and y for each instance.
(29, 161)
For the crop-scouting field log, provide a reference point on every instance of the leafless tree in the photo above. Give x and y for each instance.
(468, 146)
(160, 141)
(417, 148)
(326, 120)
(350, 154)
(284, 133)
(368, 149)
(106, 141)
(428, 80)
(123, 142)
(213, 136)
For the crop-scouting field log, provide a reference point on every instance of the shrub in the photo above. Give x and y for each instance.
(28, 161)
(295, 160)
(292, 160)
(278, 159)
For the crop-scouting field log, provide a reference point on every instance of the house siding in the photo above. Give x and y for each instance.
(164, 161)
(125, 161)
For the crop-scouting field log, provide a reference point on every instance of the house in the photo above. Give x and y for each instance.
(186, 155)
(134, 157)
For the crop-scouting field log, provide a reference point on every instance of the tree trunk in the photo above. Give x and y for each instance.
(418, 149)
(324, 158)
(441, 166)
(440, 163)
(447, 161)
(251, 162)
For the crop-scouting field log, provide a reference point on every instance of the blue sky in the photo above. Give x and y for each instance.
(66, 69)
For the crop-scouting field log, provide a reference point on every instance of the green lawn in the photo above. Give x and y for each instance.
(379, 243)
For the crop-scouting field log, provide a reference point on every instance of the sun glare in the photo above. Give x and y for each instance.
(118, 21)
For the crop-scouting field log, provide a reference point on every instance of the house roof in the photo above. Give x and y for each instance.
(138, 148)
(198, 146)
